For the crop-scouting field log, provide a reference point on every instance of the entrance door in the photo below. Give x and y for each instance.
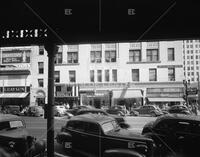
(97, 102)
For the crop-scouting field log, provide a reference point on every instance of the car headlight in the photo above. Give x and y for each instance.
(11, 144)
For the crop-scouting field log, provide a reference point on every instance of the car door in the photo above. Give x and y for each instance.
(93, 138)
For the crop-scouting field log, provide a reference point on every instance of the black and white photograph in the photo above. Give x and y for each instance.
(99, 78)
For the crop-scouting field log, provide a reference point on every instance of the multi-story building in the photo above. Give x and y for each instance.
(113, 73)
(191, 66)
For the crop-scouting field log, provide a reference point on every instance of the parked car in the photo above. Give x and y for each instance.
(34, 111)
(98, 135)
(181, 109)
(149, 110)
(116, 110)
(77, 108)
(59, 110)
(12, 109)
(15, 138)
(120, 120)
(175, 134)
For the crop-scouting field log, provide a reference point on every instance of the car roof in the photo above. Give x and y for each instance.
(179, 117)
(8, 117)
(97, 110)
(95, 118)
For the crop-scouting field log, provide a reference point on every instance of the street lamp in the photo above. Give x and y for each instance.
(186, 83)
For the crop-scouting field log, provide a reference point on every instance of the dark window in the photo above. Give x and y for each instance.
(134, 55)
(72, 57)
(95, 56)
(107, 76)
(152, 74)
(110, 55)
(58, 88)
(93, 128)
(41, 67)
(91, 75)
(99, 75)
(135, 74)
(41, 50)
(114, 75)
(40, 82)
(152, 55)
(171, 55)
(57, 76)
(58, 59)
(171, 74)
(72, 76)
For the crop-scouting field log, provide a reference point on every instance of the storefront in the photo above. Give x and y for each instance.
(168, 95)
(67, 94)
(15, 96)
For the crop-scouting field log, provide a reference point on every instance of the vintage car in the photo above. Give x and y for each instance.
(116, 110)
(36, 111)
(98, 135)
(149, 110)
(181, 109)
(175, 134)
(119, 119)
(15, 138)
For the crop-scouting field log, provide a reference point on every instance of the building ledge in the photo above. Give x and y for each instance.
(67, 64)
(14, 72)
(143, 62)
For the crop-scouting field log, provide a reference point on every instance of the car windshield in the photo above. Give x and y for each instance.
(110, 126)
(11, 125)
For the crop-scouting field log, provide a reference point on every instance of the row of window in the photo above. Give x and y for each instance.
(191, 46)
(110, 56)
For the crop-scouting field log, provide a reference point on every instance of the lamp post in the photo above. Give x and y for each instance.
(186, 83)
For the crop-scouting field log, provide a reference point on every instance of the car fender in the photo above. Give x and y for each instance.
(121, 153)
(63, 136)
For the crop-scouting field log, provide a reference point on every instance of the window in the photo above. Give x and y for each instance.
(191, 57)
(72, 57)
(171, 74)
(58, 88)
(171, 56)
(40, 83)
(191, 46)
(58, 59)
(196, 57)
(114, 75)
(134, 55)
(99, 75)
(41, 67)
(152, 75)
(57, 76)
(192, 68)
(197, 68)
(135, 74)
(95, 56)
(110, 55)
(197, 62)
(72, 76)
(41, 50)
(93, 128)
(91, 75)
(107, 76)
(188, 68)
(152, 55)
(191, 51)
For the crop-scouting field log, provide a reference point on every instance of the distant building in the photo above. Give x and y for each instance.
(100, 74)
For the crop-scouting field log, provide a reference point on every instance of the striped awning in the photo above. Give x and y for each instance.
(127, 93)
(13, 95)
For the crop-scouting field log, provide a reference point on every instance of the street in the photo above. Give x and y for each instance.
(36, 126)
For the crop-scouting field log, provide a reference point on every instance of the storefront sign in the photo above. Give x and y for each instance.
(63, 94)
(16, 56)
(14, 89)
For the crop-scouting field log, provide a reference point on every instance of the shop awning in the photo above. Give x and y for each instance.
(13, 95)
(127, 94)
(166, 99)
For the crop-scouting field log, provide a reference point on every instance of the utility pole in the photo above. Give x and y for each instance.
(198, 91)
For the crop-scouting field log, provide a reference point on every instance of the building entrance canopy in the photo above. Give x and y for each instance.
(166, 99)
(117, 94)
(13, 95)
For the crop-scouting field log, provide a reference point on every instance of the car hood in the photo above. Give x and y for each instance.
(128, 135)
(15, 133)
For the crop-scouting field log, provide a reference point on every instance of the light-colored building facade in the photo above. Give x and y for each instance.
(109, 73)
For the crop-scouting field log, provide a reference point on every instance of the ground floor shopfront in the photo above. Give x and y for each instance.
(15, 95)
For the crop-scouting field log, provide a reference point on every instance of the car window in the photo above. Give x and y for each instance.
(76, 125)
(93, 128)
